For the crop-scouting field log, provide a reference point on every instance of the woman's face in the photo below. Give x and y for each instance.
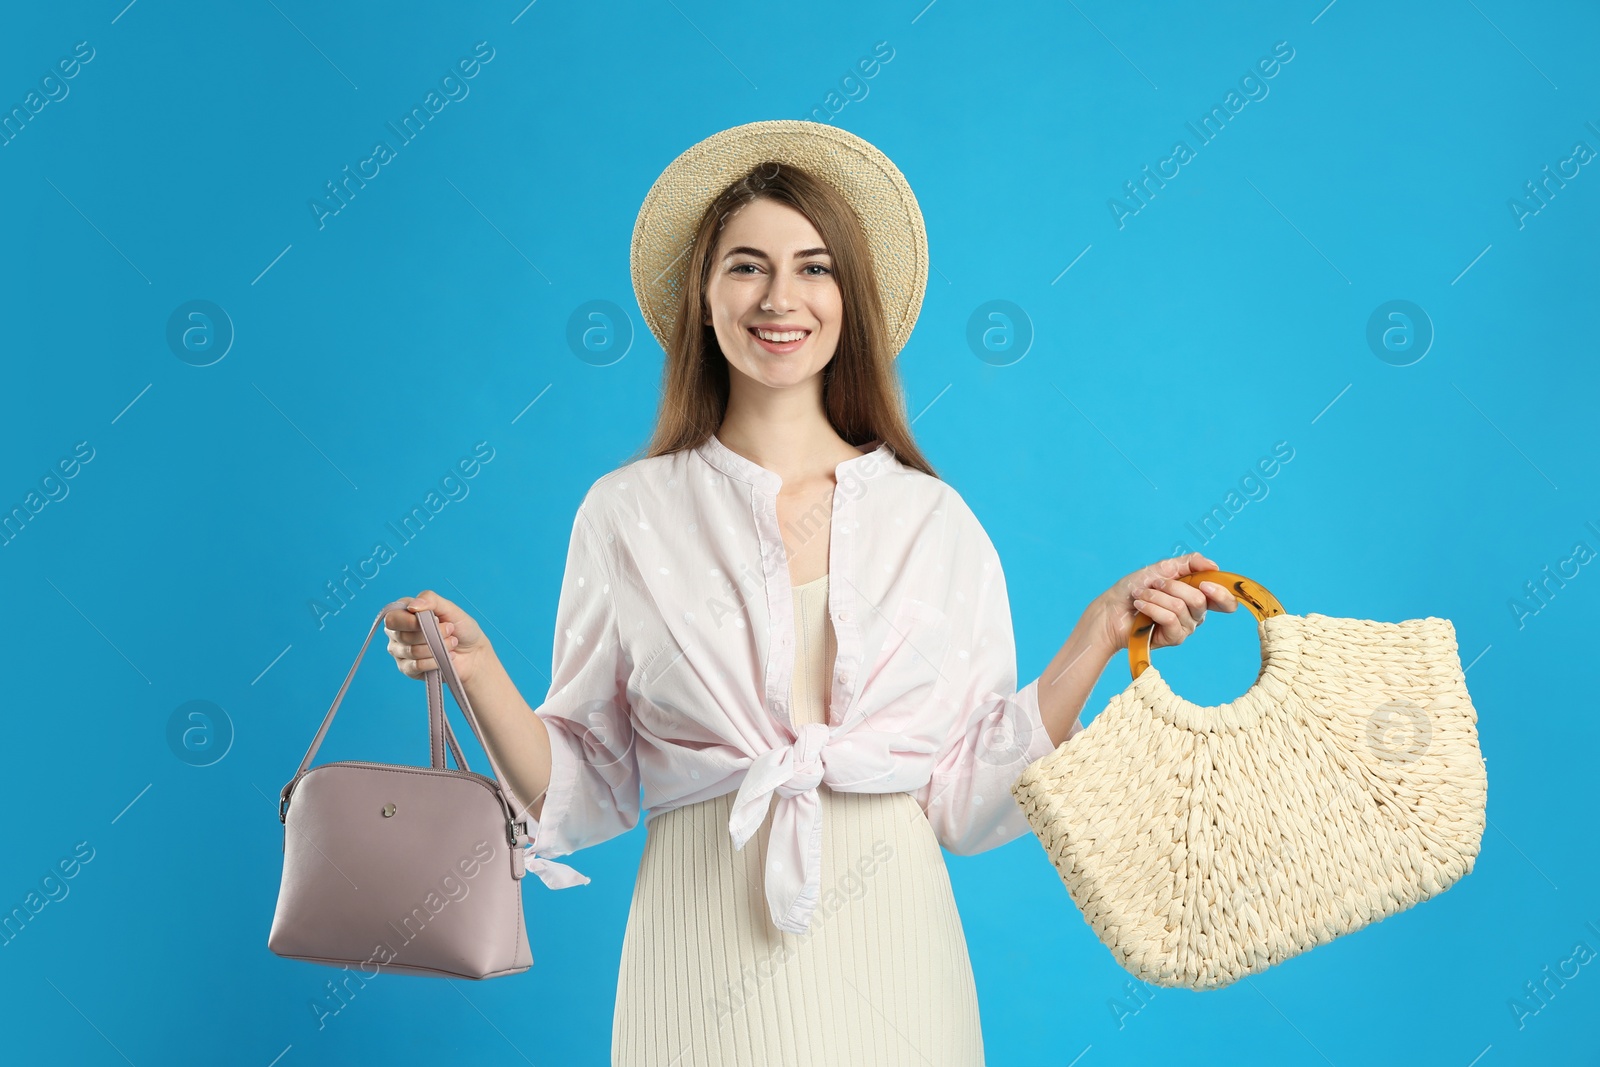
(769, 270)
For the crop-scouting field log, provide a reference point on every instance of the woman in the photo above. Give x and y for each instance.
(782, 609)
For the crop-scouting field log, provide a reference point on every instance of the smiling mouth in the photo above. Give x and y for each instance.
(795, 338)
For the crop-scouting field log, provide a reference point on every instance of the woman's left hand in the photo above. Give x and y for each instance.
(1175, 607)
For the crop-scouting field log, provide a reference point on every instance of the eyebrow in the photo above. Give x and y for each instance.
(748, 251)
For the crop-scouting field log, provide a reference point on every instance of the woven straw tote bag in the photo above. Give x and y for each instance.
(1205, 844)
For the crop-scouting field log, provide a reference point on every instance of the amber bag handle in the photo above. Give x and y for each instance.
(1249, 593)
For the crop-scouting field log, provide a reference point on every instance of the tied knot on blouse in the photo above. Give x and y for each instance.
(789, 770)
(848, 760)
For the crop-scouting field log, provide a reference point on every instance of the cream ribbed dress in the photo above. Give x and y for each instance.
(882, 977)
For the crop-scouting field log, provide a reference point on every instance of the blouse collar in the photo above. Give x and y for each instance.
(876, 457)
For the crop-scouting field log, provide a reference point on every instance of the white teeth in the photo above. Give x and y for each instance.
(792, 335)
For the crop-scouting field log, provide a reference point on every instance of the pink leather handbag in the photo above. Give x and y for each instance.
(411, 870)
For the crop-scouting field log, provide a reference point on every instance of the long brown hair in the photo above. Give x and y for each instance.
(861, 392)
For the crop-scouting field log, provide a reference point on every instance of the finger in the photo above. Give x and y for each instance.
(1178, 566)
(404, 617)
(424, 650)
(1166, 621)
(1149, 577)
(406, 614)
(444, 610)
(1180, 608)
(1194, 601)
(400, 621)
(1132, 583)
(445, 613)
(1164, 568)
(411, 644)
(1164, 599)
(1221, 598)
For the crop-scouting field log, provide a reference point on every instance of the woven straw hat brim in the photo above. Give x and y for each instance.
(868, 179)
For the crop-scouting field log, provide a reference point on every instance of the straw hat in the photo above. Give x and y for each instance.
(871, 183)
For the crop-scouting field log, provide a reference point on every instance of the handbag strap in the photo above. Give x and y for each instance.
(430, 629)
(1251, 594)
(516, 815)
(437, 724)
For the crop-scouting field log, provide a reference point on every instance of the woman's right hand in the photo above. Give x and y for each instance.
(1155, 591)
(464, 640)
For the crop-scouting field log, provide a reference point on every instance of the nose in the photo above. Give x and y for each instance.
(777, 295)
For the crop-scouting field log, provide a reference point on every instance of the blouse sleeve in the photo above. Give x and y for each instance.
(594, 773)
(998, 730)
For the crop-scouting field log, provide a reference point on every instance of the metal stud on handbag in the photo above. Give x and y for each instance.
(411, 870)
(1206, 844)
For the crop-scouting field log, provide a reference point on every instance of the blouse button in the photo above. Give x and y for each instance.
(845, 616)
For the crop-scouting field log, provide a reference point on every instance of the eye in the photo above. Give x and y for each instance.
(819, 266)
(737, 267)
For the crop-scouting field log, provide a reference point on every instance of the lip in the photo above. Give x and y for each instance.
(785, 347)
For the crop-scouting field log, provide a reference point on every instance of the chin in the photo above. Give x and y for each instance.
(776, 381)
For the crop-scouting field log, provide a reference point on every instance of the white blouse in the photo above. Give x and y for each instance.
(675, 648)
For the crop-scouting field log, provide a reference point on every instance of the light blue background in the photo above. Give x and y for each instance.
(1230, 313)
